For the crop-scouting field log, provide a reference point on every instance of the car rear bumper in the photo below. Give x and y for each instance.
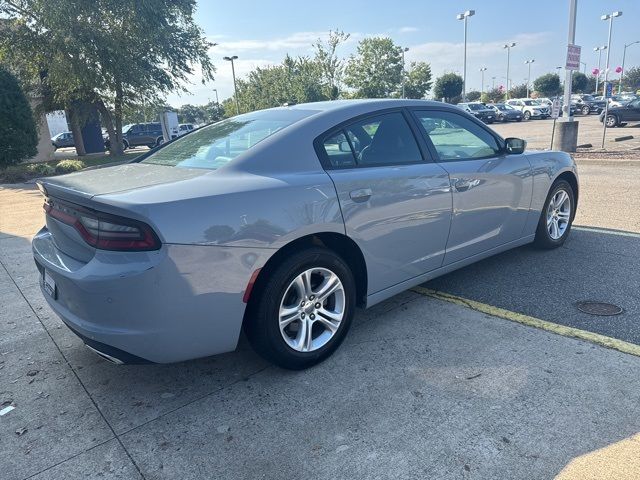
(178, 303)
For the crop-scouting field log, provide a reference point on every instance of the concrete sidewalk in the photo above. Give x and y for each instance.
(421, 388)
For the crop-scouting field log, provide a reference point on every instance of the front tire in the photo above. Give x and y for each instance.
(526, 115)
(585, 110)
(612, 121)
(302, 310)
(556, 217)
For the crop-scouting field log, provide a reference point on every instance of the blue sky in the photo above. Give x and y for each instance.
(262, 32)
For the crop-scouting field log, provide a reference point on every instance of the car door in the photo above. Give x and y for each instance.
(396, 206)
(633, 111)
(491, 190)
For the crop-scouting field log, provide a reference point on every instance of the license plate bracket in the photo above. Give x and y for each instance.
(49, 284)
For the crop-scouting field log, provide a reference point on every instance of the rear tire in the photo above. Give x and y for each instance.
(612, 121)
(290, 322)
(526, 115)
(585, 110)
(556, 217)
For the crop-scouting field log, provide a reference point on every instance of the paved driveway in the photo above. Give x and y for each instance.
(420, 389)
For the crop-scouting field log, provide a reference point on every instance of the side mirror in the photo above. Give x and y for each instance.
(344, 147)
(515, 146)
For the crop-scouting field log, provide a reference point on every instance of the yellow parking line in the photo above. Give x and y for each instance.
(596, 338)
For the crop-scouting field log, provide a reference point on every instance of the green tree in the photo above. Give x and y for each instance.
(331, 66)
(375, 71)
(518, 91)
(495, 95)
(631, 79)
(18, 133)
(548, 85)
(591, 85)
(418, 81)
(105, 52)
(579, 83)
(448, 86)
(473, 96)
(296, 80)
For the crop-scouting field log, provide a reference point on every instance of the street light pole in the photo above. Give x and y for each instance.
(585, 67)
(606, 72)
(529, 62)
(404, 72)
(235, 87)
(599, 50)
(508, 46)
(216, 90)
(482, 70)
(464, 16)
(493, 83)
(624, 55)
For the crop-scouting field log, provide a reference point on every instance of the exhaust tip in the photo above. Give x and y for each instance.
(106, 356)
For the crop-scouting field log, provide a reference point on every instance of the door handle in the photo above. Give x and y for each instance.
(361, 195)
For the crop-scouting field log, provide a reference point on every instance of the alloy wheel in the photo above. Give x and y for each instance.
(312, 309)
(558, 214)
(611, 121)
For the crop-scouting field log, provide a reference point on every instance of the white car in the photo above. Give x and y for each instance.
(185, 128)
(530, 108)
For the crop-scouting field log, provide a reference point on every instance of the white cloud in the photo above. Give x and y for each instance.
(408, 29)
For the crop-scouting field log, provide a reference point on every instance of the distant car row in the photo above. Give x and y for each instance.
(133, 135)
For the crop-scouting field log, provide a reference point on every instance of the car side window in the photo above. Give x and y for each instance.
(457, 138)
(383, 139)
(339, 151)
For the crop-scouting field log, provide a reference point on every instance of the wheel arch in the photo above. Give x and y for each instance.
(338, 243)
(572, 180)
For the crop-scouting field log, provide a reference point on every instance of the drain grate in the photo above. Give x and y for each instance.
(601, 309)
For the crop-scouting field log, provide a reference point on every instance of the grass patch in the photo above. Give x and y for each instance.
(28, 171)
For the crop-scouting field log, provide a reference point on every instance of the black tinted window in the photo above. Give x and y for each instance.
(383, 140)
(339, 151)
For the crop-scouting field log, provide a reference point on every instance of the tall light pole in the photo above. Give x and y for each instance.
(585, 67)
(235, 87)
(599, 50)
(216, 90)
(464, 16)
(508, 47)
(606, 17)
(404, 72)
(482, 70)
(493, 83)
(529, 62)
(624, 55)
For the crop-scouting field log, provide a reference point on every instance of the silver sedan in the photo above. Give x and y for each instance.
(283, 221)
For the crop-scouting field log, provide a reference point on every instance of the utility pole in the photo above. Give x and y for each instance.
(508, 47)
(482, 70)
(235, 87)
(464, 16)
(606, 71)
(529, 62)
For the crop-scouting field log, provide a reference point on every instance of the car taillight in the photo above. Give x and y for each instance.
(104, 231)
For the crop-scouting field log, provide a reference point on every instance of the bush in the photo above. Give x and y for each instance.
(13, 174)
(68, 166)
(18, 133)
(42, 169)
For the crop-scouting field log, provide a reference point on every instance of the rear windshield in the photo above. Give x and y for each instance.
(214, 146)
(476, 106)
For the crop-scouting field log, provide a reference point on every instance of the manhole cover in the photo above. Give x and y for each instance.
(599, 308)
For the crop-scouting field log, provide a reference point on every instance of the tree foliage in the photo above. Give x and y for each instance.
(18, 132)
(579, 83)
(375, 71)
(518, 91)
(473, 96)
(418, 81)
(448, 86)
(548, 85)
(495, 95)
(108, 53)
(631, 79)
(331, 66)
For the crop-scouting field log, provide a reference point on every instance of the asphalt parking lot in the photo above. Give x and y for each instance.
(422, 388)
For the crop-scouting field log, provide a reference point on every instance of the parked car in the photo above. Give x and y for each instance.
(530, 108)
(185, 128)
(586, 104)
(506, 113)
(619, 116)
(282, 221)
(139, 134)
(479, 110)
(63, 140)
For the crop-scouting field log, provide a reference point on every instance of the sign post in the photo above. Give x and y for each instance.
(555, 113)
